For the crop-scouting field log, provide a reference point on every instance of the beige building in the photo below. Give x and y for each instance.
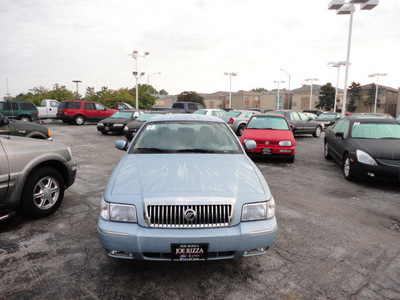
(165, 101)
(216, 100)
(388, 98)
(301, 97)
(246, 100)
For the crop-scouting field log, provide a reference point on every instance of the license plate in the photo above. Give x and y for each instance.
(266, 151)
(189, 252)
(107, 128)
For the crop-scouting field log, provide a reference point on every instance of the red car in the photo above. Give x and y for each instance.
(273, 136)
(77, 112)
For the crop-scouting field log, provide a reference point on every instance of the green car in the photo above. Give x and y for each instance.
(24, 129)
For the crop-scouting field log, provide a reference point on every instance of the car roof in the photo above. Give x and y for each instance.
(371, 119)
(186, 117)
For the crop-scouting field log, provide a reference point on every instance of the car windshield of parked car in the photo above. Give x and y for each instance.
(375, 131)
(185, 137)
(233, 113)
(145, 117)
(122, 114)
(200, 112)
(326, 116)
(274, 123)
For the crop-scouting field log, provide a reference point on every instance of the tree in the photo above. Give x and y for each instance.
(259, 90)
(326, 97)
(190, 97)
(371, 98)
(355, 96)
(163, 92)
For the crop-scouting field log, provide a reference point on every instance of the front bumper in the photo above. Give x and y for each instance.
(383, 171)
(110, 128)
(143, 243)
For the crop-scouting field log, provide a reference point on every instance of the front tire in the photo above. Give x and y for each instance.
(317, 132)
(347, 173)
(26, 119)
(43, 193)
(79, 120)
(240, 129)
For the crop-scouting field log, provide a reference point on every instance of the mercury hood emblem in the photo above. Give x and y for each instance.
(189, 214)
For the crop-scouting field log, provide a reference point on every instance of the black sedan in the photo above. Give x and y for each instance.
(24, 129)
(116, 122)
(133, 127)
(367, 147)
(300, 123)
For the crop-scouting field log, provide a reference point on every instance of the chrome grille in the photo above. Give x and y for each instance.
(189, 215)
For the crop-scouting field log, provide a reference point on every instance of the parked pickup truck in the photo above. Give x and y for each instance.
(48, 109)
(122, 105)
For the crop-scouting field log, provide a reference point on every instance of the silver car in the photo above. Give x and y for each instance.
(186, 191)
(33, 176)
(237, 119)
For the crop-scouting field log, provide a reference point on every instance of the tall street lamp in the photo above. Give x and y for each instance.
(312, 80)
(337, 65)
(136, 54)
(347, 8)
(377, 86)
(277, 99)
(77, 84)
(230, 87)
(288, 88)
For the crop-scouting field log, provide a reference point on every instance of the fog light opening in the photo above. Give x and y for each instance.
(120, 254)
(371, 174)
(256, 251)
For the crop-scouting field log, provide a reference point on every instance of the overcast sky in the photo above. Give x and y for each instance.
(192, 43)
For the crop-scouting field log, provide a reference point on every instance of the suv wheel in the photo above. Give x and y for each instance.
(26, 119)
(79, 120)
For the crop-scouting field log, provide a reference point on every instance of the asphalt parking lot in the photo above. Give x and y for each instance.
(336, 239)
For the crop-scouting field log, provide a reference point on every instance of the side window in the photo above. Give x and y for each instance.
(54, 104)
(214, 113)
(294, 116)
(248, 115)
(27, 106)
(99, 106)
(303, 117)
(342, 126)
(338, 125)
(89, 106)
(192, 106)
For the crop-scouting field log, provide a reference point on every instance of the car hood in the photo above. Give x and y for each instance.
(193, 175)
(116, 120)
(268, 135)
(385, 149)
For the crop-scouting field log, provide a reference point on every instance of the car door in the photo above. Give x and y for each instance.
(296, 122)
(308, 126)
(101, 111)
(52, 113)
(338, 144)
(89, 111)
(4, 172)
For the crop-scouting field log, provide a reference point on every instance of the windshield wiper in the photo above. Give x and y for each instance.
(195, 151)
(152, 150)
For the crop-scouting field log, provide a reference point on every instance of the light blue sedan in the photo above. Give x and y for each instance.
(186, 191)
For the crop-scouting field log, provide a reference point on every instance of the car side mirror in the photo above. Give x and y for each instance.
(121, 145)
(250, 144)
(339, 134)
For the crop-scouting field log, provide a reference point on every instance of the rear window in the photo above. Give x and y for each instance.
(27, 106)
(70, 105)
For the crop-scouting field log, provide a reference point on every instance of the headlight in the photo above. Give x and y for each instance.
(365, 158)
(118, 125)
(125, 128)
(118, 212)
(100, 124)
(285, 143)
(259, 211)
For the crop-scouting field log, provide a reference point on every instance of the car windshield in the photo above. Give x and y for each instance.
(375, 131)
(200, 112)
(185, 137)
(327, 116)
(145, 117)
(268, 123)
(122, 114)
(233, 113)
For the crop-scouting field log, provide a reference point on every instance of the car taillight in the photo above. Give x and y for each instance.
(37, 112)
(230, 121)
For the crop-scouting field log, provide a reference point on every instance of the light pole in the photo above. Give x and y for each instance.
(312, 80)
(347, 8)
(135, 54)
(288, 88)
(377, 86)
(337, 65)
(277, 100)
(148, 77)
(77, 83)
(230, 87)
